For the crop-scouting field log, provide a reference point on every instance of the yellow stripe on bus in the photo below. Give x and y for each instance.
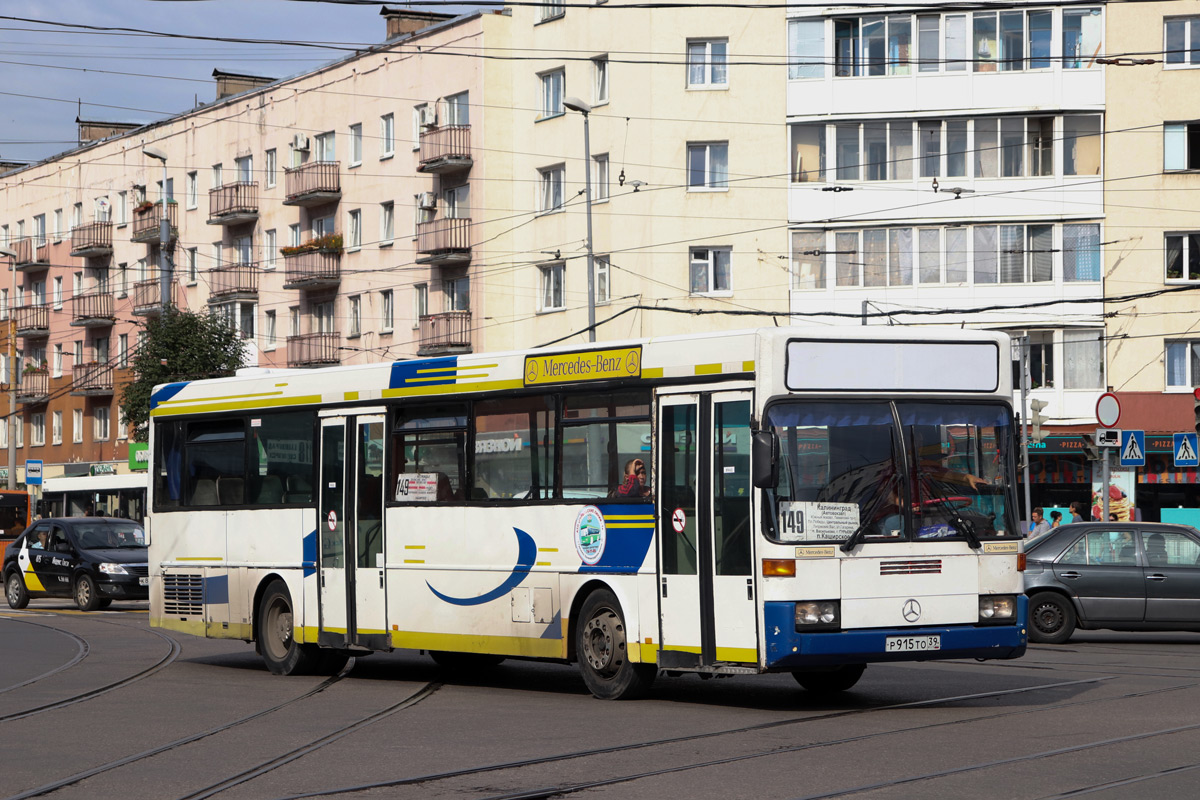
(243, 405)
(220, 397)
(414, 547)
(607, 517)
(608, 524)
(469, 643)
(708, 369)
(452, 388)
(414, 561)
(547, 549)
(456, 369)
(200, 558)
(737, 655)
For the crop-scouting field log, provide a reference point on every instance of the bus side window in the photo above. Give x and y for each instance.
(514, 448)
(602, 433)
(429, 441)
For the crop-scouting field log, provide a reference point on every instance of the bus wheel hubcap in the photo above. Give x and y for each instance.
(600, 641)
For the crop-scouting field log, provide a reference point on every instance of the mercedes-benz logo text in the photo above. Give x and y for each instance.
(911, 610)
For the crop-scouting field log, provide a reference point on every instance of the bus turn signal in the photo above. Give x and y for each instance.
(779, 567)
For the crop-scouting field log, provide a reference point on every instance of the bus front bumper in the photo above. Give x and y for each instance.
(787, 649)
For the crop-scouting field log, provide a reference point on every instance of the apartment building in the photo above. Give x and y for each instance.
(427, 197)
(1152, 161)
(950, 160)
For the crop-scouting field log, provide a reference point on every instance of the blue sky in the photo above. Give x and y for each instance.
(170, 73)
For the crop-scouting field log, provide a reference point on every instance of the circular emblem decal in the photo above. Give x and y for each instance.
(633, 363)
(911, 610)
(589, 535)
(531, 370)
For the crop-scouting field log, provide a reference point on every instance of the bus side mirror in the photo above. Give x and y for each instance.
(764, 459)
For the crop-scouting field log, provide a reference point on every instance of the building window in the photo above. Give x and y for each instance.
(552, 188)
(39, 229)
(355, 144)
(600, 176)
(552, 287)
(458, 109)
(553, 84)
(56, 422)
(1082, 37)
(1181, 145)
(76, 217)
(100, 415)
(420, 302)
(603, 287)
(217, 175)
(58, 361)
(457, 294)
(599, 80)
(37, 429)
(294, 321)
(1040, 358)
(1183, 257)
(1181, 41)
(386, 311)
(355, 316)
(1183, 364)
(294, 234)
(709, 270)
(355, 240)
(1083, 359)
(325, 146)
(387, 223)
(269, 331)
(1081, 142)
(57, 233)
(123, 350)
(122, 208)
(1081, 252)
(387, 136)
(190, 264)
(806, 48)
(122, 424)
(552, 9)
(707, 67)
(20, 432)
(708, 166)
(76, 425)
(270, 249)
(272, 167)
(808, 259)
(58, 291)
(193, 189)
(418, 121)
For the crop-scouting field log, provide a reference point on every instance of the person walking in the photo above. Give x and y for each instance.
(1040, 525)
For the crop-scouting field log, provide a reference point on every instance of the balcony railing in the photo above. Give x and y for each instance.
(34, 387)
(32, 320)
(92, 379)
(88, 310)
(313, 183)
(233, 203)
(445, 149)
(313, 349)
(147, 221)
(444, 241)
(233, 282)
(31, 256)
(147, 297)
(448, 332)
(312, 269)
(93, 239)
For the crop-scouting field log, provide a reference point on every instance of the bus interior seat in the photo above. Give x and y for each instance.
(204, 493)
(230, 490)
(271, 489)
(299, 490)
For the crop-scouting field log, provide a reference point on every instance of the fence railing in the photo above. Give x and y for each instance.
(444, 235)
(93, 237)
(323, 177)
(451, 143)
(97, 378)
(310, 349)
(444, 330)
(233, 279)
(147, 221)
(31, 318)
(95, 306)
(312, 267)
(232, 199)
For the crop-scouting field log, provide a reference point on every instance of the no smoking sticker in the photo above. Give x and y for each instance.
(678, 520)
(332, 520)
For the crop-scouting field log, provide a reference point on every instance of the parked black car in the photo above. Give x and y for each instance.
(94, 559)
(1120, 576)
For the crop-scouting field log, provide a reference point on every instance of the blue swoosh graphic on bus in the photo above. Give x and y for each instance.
(526, 553)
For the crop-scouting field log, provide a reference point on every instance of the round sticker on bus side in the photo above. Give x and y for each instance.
(590, 535)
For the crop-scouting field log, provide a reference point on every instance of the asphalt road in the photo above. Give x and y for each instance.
(101, 706)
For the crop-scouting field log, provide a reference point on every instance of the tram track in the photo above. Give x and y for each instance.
(592, 752)
(82, 650)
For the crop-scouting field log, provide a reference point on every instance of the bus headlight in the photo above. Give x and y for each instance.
(816, 614)
(113, 569)
(997, 608)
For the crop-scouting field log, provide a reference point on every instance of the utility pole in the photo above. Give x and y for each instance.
(575, 104)
(12, 371)
(1023, 346)
(164, 231)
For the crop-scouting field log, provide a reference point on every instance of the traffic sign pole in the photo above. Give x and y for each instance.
(1104, 481)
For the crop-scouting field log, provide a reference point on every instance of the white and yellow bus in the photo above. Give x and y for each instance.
(814, 500)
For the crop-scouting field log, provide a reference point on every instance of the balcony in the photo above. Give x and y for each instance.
(444, 334)
(445, 149)
(313, 183)
(31, 257)
(34, 388)
(233, 203)
(92, 310)
(148, 219)
(92, 380)
(313, 349)
(147, 297)
(444, 241)
(233, 282)
(32, 321)
(92, 240)
(312, 269)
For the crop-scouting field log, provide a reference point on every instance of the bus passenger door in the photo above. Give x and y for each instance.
(706, 581)
(333, 575)
(370, 601)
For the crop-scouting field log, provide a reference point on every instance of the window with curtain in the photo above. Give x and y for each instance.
(1083, 359)
(1081, 252)
(806, 48)
(808, 260)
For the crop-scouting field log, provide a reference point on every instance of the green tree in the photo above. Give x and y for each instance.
(178, 346)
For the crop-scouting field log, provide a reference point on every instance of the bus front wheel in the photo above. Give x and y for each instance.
(280, 651)
(601, 649)
(836, 679)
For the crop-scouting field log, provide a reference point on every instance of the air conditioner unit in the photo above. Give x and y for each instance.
(429, 117)
(427, 200)
(300, 142)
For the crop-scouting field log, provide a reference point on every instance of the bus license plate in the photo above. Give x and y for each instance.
(143, 581)
(912, 644)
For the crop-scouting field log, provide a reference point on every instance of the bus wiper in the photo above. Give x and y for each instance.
(960, 524)
(868, 514)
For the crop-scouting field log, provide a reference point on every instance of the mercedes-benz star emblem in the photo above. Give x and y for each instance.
(911, 610)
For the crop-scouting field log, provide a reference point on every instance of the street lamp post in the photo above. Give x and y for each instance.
(575, 104)
(164, 231)
(12, 372)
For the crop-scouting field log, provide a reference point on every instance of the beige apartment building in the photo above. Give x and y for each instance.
(425, 198)
(1152, 167)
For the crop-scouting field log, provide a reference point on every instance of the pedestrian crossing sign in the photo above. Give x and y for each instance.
(1185, 450)
(1133, 448)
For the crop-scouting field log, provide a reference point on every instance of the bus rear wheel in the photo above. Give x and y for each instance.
(601, 649)
(280, 651)
(836, 679)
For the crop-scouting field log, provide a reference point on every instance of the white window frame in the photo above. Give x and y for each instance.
(101, 424)
(56, 428)
(713, 181)
(190, 265)
(57, 233)
(600, 80)
(552, 105)
(387, 136)
(417, 112)
(58, 292)
(123, 350)
(76, 425)
(603, 278)
(709, 260)
(122, 209)
(270, 331)
(601, 188)
(271, 162)
(356, 144)
(420, 303)
(387, 310)
(458, 109)
(552, 294)
(37, 429)
(355, 316)
(354, 232)
(193, 190)
(707, 64)
(387, 223)
(553, 179)
(270, 249)
(551, 9)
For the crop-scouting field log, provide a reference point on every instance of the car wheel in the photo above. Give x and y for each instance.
(278, 647)
(1051, 618)
(105, 603)
(86, 596)
(837, 679)
(601, 650)
(14, 590)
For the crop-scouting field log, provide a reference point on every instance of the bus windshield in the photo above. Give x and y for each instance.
(891, 471)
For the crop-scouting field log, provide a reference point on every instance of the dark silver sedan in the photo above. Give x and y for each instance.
(1120, 576)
